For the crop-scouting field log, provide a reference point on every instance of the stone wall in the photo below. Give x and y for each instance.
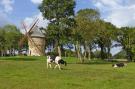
(36, 46)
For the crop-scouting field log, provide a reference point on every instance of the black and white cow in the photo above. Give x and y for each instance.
(119, 65)
(55, 59)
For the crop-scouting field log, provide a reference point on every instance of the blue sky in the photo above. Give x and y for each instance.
(118, 12)
(22, 9)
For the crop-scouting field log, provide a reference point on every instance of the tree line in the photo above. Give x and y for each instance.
(9, 38)
(75, 34)
(84, 30)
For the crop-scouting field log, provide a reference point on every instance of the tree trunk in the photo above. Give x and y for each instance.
(129, 54)
(10, 52)
(108, 52)
(102, 52)
(85, 50)
(78, 52)
(59, 50)
(89, 53)
(3, 53)
(0, 53)
(88, 50)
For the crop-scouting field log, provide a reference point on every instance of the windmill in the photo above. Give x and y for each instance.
(36, 39)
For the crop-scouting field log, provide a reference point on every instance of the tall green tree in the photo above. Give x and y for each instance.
(110, 38)
(105, 38)
(126, 38)
(86, 21)
(60, 13)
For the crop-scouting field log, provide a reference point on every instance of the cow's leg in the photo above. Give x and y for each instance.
(47, 65)
(50, 65)
(59, 66)
(55, 66)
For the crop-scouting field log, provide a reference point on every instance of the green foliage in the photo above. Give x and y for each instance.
(12, 36)
(97, 54)
(126, 39)
(69, 53)
(57, 9)
(2, 39)
(86, 22)
(85, 30)
(105, 37)
(9, 38)
(120, 55)
(60, 13)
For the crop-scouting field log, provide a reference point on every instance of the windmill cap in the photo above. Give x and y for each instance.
(36, 32)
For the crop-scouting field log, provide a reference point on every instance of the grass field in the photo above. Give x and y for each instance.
(31, 73)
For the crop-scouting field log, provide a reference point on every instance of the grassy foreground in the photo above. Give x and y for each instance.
(31, 73)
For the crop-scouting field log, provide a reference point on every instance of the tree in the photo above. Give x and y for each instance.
(86, 20)
(60, 13)
(105, 37)
(126, 39)
(120, 55)
(2, 41)
(109, 37)
(10, 37)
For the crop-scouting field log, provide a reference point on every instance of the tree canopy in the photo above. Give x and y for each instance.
(9, 38)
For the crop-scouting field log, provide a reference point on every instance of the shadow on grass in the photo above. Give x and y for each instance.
(105, 62)
(65, 69)
(19, 58)
(93, 62)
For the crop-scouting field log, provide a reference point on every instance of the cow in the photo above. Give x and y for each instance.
(55, 59)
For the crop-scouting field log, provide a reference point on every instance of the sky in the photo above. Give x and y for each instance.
(119, 12)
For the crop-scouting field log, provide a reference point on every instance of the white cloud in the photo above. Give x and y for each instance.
(124, 16)
(7, 4)
(108, 3)
(6, 7)
(41, 23)
(118, 12)
(3, 19)
(36, 1)
(129, 2)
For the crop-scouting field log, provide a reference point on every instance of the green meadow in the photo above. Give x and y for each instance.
(31, 73)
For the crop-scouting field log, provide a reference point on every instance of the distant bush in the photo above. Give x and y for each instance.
(65, 52)
(120, 55)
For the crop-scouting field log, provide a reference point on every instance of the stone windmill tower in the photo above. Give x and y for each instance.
(36, 40)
